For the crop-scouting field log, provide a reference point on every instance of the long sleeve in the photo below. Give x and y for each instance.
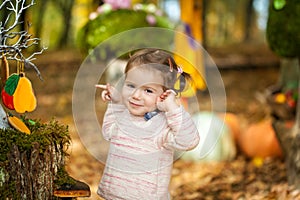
(141, 152)
(109, 120)
(182, 134)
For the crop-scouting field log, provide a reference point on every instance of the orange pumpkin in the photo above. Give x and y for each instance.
(259, 140)
(234, 124)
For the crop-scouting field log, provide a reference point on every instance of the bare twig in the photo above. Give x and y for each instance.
(13, 43)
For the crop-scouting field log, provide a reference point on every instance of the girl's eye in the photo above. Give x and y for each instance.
(130, 85)
(149, 91)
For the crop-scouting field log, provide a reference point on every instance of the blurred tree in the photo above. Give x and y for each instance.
(283, 34)
(57, 22)
(65, 7)
(39, 23)
(248, 19)
(283, 28)
(232, 22)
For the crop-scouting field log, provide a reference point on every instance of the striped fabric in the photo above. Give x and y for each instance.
(140, 157)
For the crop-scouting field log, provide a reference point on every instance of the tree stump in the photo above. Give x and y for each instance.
(33, 172)
(32, 165)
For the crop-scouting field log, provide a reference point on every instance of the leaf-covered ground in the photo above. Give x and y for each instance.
(241, 178)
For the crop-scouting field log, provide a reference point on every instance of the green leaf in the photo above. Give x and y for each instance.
(279, 4)
(11, 84)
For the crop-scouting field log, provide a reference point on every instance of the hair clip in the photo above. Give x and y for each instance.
(171, 65)
(179, 70)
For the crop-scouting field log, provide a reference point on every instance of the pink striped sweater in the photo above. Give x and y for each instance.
(140, 157)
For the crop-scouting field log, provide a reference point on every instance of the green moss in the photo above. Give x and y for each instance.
(62, 178)
(43, 133)
(8, 190)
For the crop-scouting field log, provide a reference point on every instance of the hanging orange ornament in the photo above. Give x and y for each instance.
(23, 97)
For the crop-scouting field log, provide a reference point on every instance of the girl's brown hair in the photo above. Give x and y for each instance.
(163, 61)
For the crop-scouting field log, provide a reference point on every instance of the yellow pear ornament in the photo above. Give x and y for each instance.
(23, 97)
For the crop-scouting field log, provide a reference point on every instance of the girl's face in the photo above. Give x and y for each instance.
(142, 88)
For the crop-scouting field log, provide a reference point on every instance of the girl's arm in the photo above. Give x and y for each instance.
(109, 121)
(109, 93)
(183, 134)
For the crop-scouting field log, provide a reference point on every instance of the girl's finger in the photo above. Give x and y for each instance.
(167, 93)
(101, 86)
(109, 88)
(105, 96)
(108, 98)
(171, 91)
(163, 96)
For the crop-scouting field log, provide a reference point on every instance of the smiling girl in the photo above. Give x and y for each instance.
(145, 124)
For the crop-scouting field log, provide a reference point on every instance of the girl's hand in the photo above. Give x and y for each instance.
(167, 101)
(109, 93)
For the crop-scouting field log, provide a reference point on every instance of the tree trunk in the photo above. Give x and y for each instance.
(39, 21)
(33, 173)
(248, 20)
(287, 129)
(66, 11)
(290, 144)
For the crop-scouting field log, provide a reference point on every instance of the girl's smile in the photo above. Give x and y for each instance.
(134, 104)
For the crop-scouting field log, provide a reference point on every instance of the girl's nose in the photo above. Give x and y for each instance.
(136, 94)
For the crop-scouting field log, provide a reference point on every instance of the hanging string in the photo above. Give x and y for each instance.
(20, 67)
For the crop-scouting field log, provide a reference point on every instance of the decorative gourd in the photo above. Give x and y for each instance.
(23, 97)
(18, 124)
(216, 140)
(259, 140)
(234, 124)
